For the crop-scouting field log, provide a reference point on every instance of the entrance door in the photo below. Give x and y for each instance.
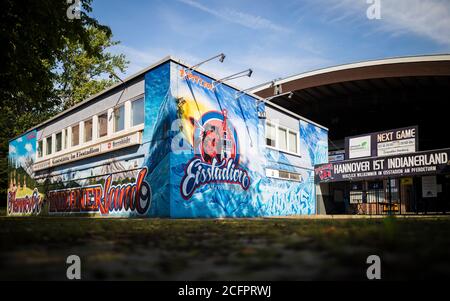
(406, 195)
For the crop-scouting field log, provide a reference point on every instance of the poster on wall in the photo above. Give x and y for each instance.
(359, 147)
(429, 187)
(384, 143)
(335, 156)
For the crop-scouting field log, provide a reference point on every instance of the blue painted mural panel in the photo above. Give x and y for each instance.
(217, 136)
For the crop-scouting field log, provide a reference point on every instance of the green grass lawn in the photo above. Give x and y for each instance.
(230, 249)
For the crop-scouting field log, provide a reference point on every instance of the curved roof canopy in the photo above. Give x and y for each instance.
(369, 71)
(370, 96)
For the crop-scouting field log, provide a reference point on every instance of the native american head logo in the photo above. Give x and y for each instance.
(215, 138)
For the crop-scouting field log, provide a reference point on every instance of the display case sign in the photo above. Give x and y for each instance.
(385, 143)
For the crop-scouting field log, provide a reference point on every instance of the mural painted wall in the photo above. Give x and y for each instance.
(219, 157)
(132, 182)
(202, 154)
(23, 196)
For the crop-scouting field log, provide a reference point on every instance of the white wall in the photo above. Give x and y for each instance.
(132, 90)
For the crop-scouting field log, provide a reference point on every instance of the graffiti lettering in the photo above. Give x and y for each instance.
(195, 79)
(200, 173)
(83, 199)
(26, 205)
(135, 197)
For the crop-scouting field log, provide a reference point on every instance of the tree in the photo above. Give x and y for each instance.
(80, 74)
(38, 42)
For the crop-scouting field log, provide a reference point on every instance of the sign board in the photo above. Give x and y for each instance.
(359, 147)
(406, 181)
(335, 156)
(429, 187)
(93, 150)
(419, 163)
(384, 143)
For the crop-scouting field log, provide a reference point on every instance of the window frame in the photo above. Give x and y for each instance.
(72, 135)
(131, 112)
(48, 150)
(275, 174)
(277, 142)
(40, 149)
(91, 119)
(270, 124)
(122, 106)
(98, 125)
(56, 142)
(290, 131)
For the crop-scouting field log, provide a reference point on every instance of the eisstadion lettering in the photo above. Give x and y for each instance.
(216, 146)
(199, 173)
(23, 206)
(129, 197)
(413, 164)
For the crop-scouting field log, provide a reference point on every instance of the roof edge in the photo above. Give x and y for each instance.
(360, 64)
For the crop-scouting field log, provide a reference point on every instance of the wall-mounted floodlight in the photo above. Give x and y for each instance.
(245, 73)
(289, 95)
(113, 74)
(271, 84)
(220, 56)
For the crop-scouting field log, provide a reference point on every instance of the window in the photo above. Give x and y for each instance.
(137, 112)
(64, 133)
(102, 125)
(295, 176)
(293, 142)
(270, 135)
(88, 130)
(282, 139)
(284, 175)
(58, 143)
(75, 135)
(39, 149)
(48, 145)
(119, 119)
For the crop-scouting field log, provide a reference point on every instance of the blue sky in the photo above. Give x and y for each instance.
(274, 38)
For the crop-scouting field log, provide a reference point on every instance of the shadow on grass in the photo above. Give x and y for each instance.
(231, 249)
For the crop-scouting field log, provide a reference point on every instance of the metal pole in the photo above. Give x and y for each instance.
(400, 194)
(390, 197)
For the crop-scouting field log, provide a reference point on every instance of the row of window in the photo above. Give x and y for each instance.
(72, 136)
(282, 174)
(281, 138)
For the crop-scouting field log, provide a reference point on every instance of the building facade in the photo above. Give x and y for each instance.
(168, 142)
(388, 140)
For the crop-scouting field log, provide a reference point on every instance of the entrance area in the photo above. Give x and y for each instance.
(384, 196)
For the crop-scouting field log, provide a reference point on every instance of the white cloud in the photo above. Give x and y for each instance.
(12, 149)
(267, 65)
(429, 18)
(20, 139)
(426, 18)
(238, 17)
(139, 59)
(28, 147)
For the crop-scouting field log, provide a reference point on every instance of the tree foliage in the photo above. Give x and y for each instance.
(48, 62)
(80, 75)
